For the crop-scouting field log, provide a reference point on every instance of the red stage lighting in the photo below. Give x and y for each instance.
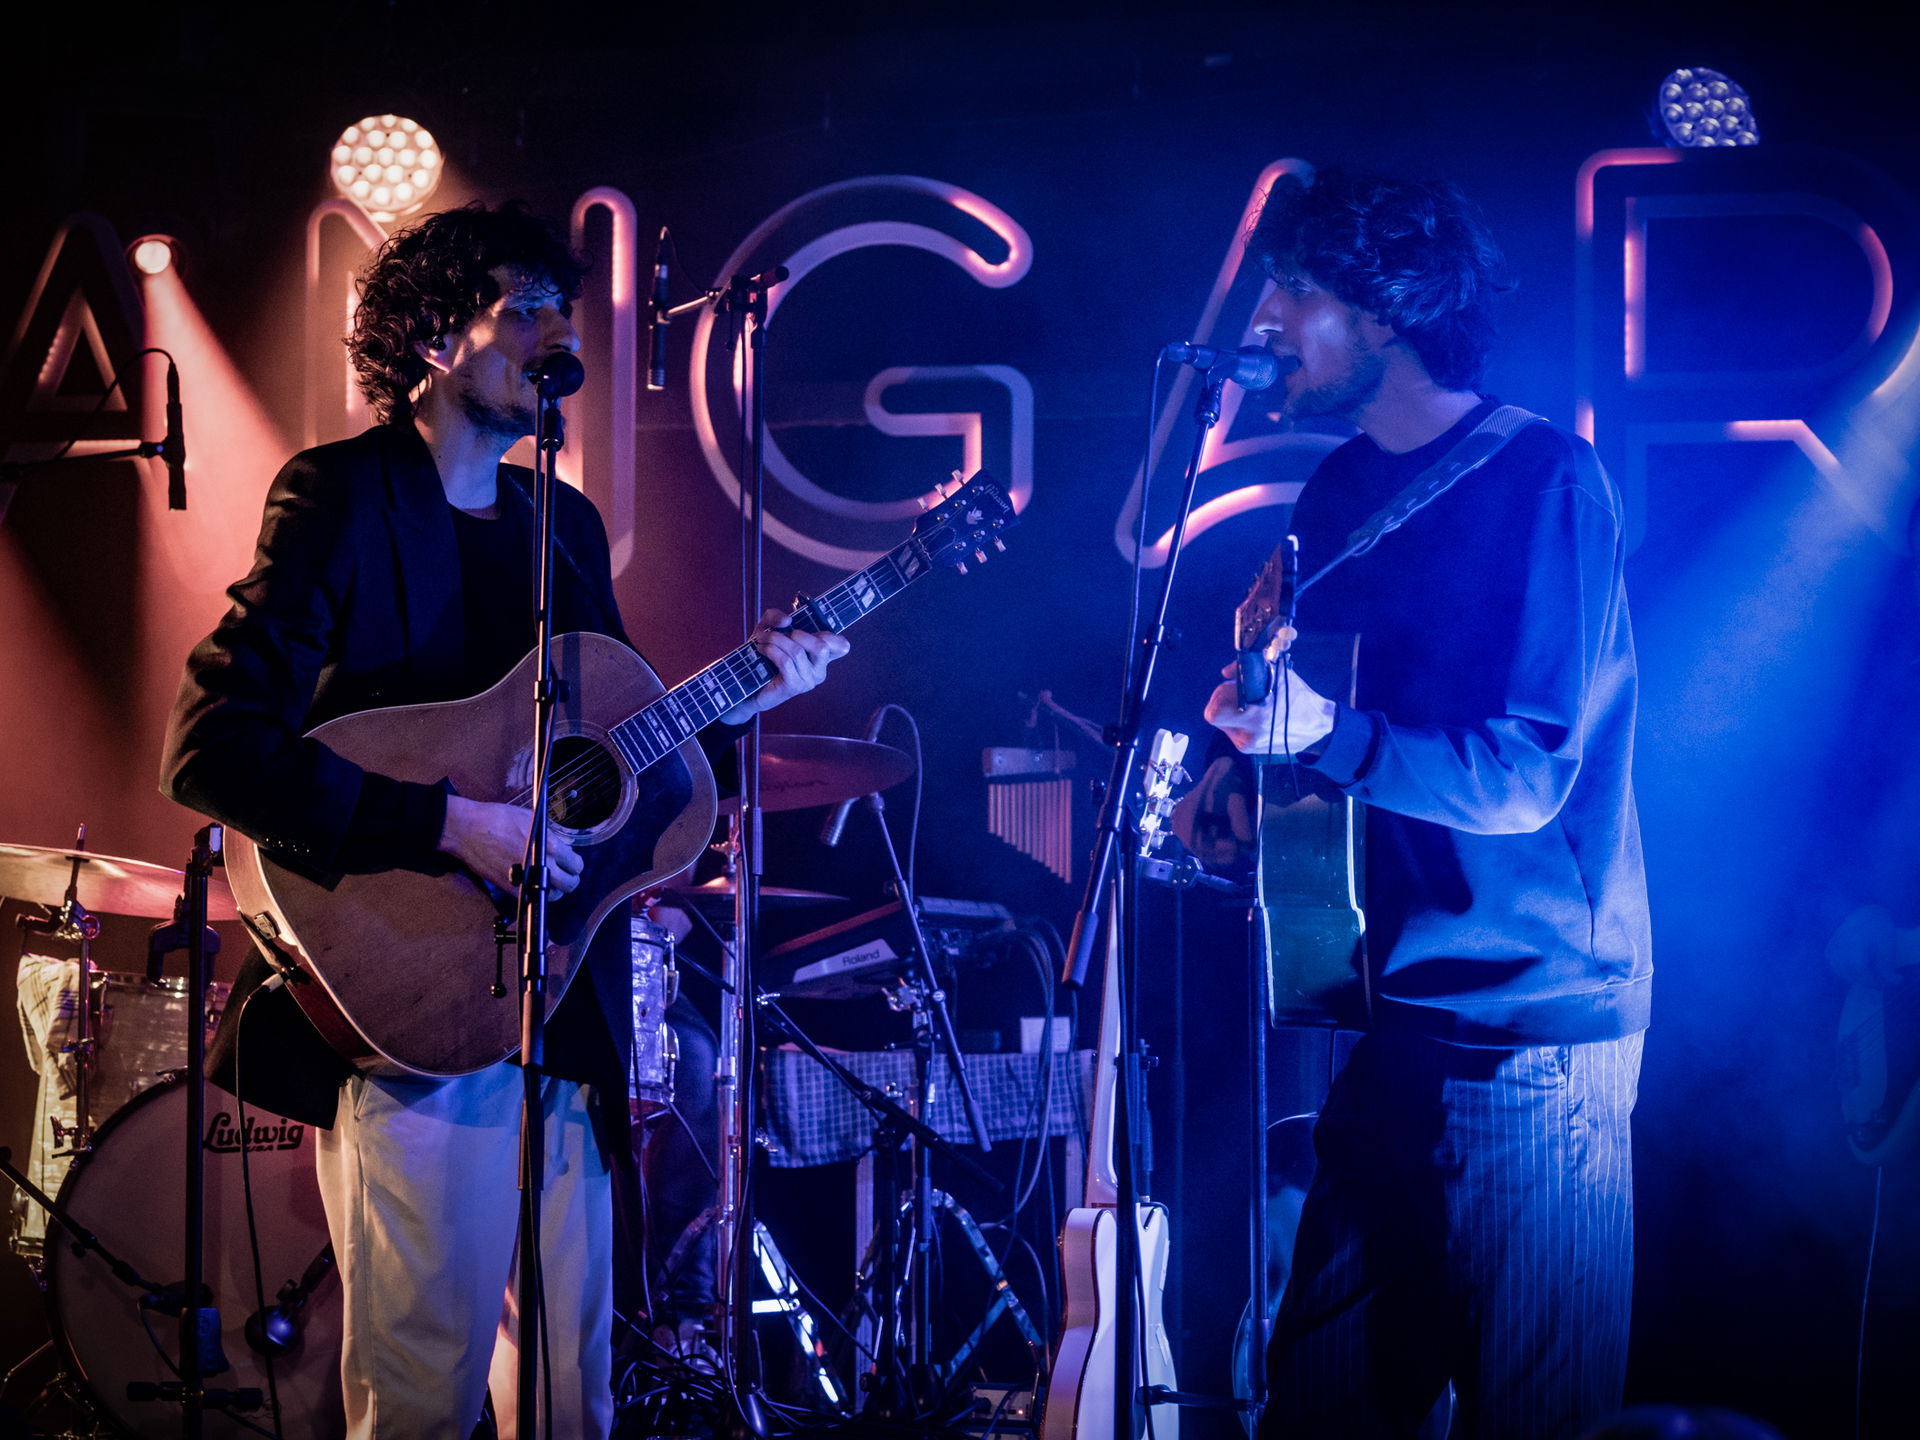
(152, 254)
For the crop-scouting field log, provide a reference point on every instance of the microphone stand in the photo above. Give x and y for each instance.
(744, 301)
(172, 449)
(549, 435)
(1101, 878)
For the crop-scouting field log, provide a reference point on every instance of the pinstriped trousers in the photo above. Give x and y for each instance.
(1471, 1220)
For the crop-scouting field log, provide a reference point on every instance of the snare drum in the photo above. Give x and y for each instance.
(656, 983)
(139, 1037)
(130, 1191)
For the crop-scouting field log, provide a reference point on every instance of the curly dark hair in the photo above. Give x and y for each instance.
(1416, 254)
(433, 277)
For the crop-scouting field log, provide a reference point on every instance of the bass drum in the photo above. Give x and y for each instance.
(130, 1190)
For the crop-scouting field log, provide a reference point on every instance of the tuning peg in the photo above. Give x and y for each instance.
(980, 555)
(957, 476)
(961, 566)
(999, 545)
(921, 501)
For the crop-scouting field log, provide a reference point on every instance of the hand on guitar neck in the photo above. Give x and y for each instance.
(799, 658)
(1282, 723)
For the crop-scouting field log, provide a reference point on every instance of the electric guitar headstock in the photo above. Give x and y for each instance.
(1263, 622)
(964, 526)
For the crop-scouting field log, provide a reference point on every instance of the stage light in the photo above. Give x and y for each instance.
(385, 164)
(1701, 107)
(151, 254)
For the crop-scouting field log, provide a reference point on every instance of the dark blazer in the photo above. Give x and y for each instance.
(354, 601)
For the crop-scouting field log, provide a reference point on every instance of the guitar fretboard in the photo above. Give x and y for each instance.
(696, 703)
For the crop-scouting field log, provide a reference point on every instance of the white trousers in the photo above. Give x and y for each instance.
(419, 1180)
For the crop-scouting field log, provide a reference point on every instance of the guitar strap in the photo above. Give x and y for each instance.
(1474, 449)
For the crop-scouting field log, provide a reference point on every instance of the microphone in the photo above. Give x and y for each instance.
(173, 449)
(836, 820)
(1251, 367)
(276, 1329)
(659, 320)
(556, 375)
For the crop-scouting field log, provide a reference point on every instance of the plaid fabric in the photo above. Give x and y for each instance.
(812, 1120)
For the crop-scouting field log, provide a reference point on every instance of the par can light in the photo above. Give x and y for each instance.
(386, 164)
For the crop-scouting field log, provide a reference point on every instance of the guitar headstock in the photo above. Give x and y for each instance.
(1261, 624)
(1164, 770)
(1269, 602)
(966, 523)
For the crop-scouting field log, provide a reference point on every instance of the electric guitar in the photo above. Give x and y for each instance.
(1081, 1404)
(399, 969)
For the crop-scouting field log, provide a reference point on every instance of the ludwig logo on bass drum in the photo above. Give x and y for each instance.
(223, 1137)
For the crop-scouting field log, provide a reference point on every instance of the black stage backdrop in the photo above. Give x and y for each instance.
(1002, 212)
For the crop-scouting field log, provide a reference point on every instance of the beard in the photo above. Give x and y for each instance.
(1343, 396)
(510, 422)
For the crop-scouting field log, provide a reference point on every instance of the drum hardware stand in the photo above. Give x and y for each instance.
(921, 996)
(73, 921)
(1004, 1301)
(899, 1388)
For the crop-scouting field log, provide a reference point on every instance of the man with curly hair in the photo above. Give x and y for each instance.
(1470, 1221)
(396, 568)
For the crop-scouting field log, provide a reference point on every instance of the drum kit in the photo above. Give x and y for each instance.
(112, 1113)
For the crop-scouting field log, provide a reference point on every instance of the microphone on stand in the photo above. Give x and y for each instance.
(556, 375)
(276, 1329)
(836, 820)
(659, 320)
(173, 449)
(1251, 367)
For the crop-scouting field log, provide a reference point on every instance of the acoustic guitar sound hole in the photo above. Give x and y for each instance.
(585, 785)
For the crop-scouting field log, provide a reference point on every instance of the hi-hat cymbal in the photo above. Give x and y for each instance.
(797, 771)
(108, 885)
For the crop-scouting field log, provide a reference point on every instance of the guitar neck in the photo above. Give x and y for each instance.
(696, 703)
(1103, 1178)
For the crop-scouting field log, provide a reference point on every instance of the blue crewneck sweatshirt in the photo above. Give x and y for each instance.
(1492, 742)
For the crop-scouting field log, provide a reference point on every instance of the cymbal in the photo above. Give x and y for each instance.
(797, 771)
(108, 884)
(716, 896)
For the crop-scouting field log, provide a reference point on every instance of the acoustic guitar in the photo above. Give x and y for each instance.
(1310, 868)
(398, 969)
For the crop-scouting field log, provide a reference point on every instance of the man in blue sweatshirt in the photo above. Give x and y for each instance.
(1471, 1218)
